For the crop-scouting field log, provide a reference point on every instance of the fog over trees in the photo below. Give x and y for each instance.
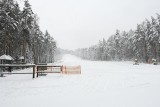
(142, 44)
(20, 35)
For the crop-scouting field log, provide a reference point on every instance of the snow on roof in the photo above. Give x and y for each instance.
(6, 57)
(22, 57)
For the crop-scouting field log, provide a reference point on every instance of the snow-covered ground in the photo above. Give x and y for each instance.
(101, 84)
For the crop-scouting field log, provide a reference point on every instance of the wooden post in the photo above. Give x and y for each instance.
(51, 68)
(34, 71)
(1, 72)
(61, 69)
(37, 71)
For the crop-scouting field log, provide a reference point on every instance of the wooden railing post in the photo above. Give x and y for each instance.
(37, 71)
(34, 71)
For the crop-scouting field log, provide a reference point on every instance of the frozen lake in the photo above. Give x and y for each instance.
(101, 84)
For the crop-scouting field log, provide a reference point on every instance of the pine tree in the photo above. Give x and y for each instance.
(20, 34)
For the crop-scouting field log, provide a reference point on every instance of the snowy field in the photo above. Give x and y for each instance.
(101, 84)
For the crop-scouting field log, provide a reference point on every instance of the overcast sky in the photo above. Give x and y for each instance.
(82, 23)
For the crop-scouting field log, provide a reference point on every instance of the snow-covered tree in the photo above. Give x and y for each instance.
(142, 44)
(20, 34)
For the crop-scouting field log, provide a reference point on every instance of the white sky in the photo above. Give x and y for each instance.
(81, 23)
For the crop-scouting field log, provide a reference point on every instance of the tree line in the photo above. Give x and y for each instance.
(142, 44)
(20, 34)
